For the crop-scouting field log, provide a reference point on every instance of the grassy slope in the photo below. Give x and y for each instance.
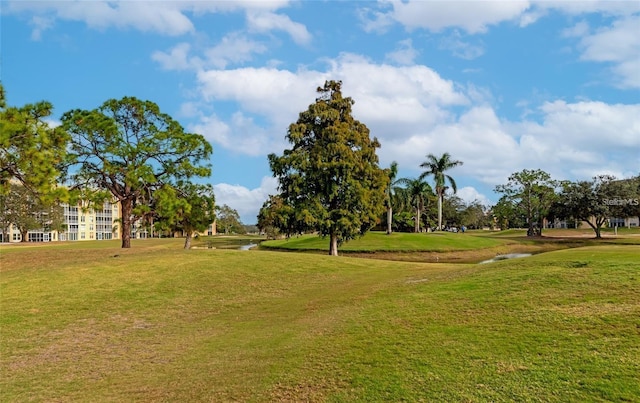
(159, 323)
(398, 242)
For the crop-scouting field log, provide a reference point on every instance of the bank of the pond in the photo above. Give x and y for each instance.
(439, 247)
(396, 242)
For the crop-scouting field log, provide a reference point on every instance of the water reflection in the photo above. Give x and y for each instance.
(507, 256)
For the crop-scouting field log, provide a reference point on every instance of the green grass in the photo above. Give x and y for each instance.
(226, 241)
(396, 242)
(160, 323)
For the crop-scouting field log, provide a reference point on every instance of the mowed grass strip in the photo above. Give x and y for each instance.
(395, 242)
(160, 323)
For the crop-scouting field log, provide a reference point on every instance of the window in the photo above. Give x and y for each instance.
(36, 237)
(616, 222)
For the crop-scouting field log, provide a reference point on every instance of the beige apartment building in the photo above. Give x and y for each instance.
(88, 225)
(81, 225)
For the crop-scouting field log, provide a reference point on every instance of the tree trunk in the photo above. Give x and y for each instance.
(127, 208)
(187, 240)
(416, 227)
(389, 219)
(24, 236)
(440, 197)
(333, 245)
(596, 228)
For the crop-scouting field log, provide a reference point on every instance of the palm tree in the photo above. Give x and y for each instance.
(417, 191)
(392, 172)
(436, 167)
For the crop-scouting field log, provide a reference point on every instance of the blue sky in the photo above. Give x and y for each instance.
(501, 85)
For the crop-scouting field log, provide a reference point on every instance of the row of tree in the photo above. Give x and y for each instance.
(330, 183)
(20, 207)
(126, 151)
(405, 193)
(531, 197)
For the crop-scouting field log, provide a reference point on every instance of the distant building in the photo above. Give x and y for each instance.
(627, 222)
(81, 225)
(86, 224)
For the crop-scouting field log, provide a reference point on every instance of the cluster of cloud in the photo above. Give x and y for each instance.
(412, 110)
(617, 44)
(410, 107)
(417, 115)
(172, 18)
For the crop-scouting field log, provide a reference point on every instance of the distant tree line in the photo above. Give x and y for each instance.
(532, 197)
(329, 180)
(330, 183)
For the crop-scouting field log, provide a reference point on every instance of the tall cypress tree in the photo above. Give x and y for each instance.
(329, 179)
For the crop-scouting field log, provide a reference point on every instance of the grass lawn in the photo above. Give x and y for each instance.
(441, 247)
(91, 322)
(396, 242)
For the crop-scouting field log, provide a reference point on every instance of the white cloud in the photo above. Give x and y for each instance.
(401, 100)
(234, 48)
(580, 29)
(239, 134)
(470, 194)
(405, 54)
(578, 7)
(531, 16)
(470, 16)
(570, 141)
(52, 123)
(162, 17)
(246, 201)
(618, 44)
(266, 21)
(189, 110)
(606, 127)
(40, 24)
(477, 137)
(276, 95)
(177, 58)
(413, 111)
(460, 48)
(476, 16)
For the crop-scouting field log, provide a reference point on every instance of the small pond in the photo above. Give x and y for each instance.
(247, 247)
(507, 256)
